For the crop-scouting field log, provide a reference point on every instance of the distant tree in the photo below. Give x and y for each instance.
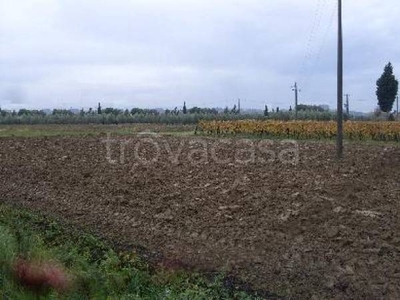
(194, 110)
(205, 111)
(386, 89)
(290, 108)
(82, 112)
(99, 109)
(175, 111)
(27, 112)
(277, 109)
(266, 111)
(310, 107)
(136, 110)
(234, 110)
(184, 110)
(112, 111)
(62, 112)
(226, 110)
(107, 110)
(90, 112)
(24, 112)
(153, 112)
(126, 112)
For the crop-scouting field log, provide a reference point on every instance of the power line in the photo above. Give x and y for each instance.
(313, 33)
(316, 54)
(315, 27)
(325, 34)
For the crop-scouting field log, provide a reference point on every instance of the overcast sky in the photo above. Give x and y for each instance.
(158, 53)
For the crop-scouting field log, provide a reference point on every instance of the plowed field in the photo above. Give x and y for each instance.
(314, 227)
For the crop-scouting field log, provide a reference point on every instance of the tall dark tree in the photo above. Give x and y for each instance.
(386, 89)
(184, 110)
(99, 109)
(266, 111)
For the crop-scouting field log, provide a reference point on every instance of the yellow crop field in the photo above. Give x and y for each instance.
(380, 131)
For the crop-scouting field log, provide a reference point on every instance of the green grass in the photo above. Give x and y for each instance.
(32, 131)
(99, 271)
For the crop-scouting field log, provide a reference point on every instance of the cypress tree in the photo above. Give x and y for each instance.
(387, 87)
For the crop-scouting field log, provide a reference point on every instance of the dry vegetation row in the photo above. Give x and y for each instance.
(377, 131)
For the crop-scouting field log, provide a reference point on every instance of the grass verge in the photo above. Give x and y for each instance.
(97, 271)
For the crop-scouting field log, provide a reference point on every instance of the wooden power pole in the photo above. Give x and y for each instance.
(339, 139)
(296, 98)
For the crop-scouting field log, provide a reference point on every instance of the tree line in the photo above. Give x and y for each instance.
(386, 92)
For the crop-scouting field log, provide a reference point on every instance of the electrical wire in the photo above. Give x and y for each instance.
(315, 59)
(312, 35)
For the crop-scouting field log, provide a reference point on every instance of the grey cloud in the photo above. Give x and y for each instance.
(157, 53)
(13, 95)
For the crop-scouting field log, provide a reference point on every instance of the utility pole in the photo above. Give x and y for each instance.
(339, 140)
(347, 104)
(239, 105)
(397, 104)
(296, 97)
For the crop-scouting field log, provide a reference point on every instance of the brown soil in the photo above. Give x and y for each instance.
(318, 229)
